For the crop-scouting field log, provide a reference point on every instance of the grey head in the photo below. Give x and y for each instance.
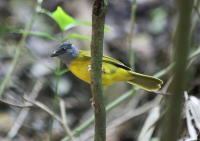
(66, 52)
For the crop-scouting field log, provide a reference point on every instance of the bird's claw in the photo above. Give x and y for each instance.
(89, 69)
(92, 102)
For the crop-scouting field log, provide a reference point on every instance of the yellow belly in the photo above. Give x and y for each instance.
(110, 72)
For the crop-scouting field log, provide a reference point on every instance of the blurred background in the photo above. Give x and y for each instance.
(153, 46)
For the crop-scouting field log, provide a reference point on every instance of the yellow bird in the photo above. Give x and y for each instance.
(78, 62)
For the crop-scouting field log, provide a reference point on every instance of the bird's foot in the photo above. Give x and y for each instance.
(89, 69)
(92, 102)
(103, 70)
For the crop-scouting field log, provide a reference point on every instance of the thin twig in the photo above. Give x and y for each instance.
(62, 110)
(15, 105)
(64, 119)
(135, 112)
(135, 99)
(161, 93)
(125, 117)
(56, 90)
(24, 112)
(44, 108)
(55, 98)
(47, 110)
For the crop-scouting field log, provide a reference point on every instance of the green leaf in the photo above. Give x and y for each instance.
(3, 30)
(106, 30)
(158, 20)
(47, 12)
(36, 33)
(74, 35)
(66, 22)
(71, 26)
(83, 22)
(62, 18)
(77, 23)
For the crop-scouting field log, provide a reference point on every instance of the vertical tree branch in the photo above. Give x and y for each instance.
(172, 122)
(98, 20)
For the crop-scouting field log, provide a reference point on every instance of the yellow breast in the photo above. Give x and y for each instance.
(81, 69)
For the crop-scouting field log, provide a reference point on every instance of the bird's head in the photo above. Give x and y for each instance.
(67, 52)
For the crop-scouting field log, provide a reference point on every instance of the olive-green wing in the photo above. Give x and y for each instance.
(106, 59)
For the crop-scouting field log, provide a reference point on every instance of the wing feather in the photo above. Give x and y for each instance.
(106, 59)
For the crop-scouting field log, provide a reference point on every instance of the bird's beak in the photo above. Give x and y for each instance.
(54, 54)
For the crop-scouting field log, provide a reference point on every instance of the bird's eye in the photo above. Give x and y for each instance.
(63, 49)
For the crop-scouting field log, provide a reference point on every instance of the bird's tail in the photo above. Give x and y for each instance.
(145, 82)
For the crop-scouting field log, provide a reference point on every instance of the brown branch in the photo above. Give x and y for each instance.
(15, 105)
(134, 112)
(98, 20)
(24, 112)
(50, 112)
(29, 103)
(64, 119)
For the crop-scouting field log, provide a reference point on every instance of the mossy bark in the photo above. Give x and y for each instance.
(98, 20)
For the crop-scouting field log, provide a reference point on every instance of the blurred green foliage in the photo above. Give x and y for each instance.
(158, 20)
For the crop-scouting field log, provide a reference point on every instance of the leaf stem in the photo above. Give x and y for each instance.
(55, 100)
(56, 91)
